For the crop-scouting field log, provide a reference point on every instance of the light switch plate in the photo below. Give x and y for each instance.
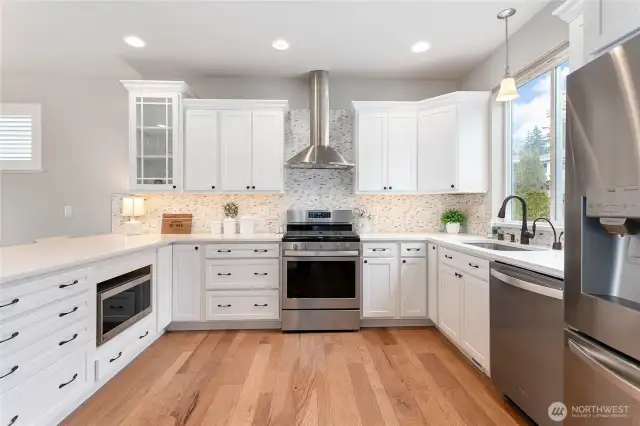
(68, 211)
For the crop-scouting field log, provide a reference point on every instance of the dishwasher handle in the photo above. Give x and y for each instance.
(528, 286)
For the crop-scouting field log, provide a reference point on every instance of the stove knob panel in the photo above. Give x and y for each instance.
(306, 246)
(295, 247)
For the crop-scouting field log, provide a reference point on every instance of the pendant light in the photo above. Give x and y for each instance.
(508, 90)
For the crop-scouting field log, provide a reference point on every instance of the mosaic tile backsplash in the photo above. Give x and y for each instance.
(315, 189)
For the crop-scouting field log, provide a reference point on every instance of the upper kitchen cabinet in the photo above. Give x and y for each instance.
(606, 22)
(386, 144)
(234, 146)
(453, 143)
(155, 134)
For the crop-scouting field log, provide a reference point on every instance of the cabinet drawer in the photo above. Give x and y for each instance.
(114, 355)
(413, 249)
(20, 298)
(238, 305)
(242, 274)
(29, 329)
(18, 367)
(379, 249)
(465, 263)
(231, 251)
(34, 401)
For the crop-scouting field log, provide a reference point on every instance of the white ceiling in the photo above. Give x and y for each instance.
(195, 39)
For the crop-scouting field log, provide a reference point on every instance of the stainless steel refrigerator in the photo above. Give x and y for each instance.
(602, 255)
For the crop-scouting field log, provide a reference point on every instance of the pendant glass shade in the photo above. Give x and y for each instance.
(508, 90)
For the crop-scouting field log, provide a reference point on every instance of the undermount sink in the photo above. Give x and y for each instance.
(498, 247)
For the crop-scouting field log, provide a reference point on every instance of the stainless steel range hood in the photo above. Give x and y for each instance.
(319, 155)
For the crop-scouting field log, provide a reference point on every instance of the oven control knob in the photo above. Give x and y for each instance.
(321, 246)
(306, 246)
(295, 247)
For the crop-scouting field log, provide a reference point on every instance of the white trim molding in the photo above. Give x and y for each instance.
(571, 12)
(236, 104)
(157, 86)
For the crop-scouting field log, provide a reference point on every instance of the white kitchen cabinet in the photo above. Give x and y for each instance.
(164, 279)
(450, 302)
(606, 22)
(155, 134)
(201, 151)
(432, 271)
(187, 282)
(453, 143)
(267, 151)
(380, 288)
(386, 144)
(475, 320)
(413, 287)
(235, 155)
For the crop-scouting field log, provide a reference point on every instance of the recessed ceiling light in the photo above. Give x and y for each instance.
(280, 44)
(134, 41)
(421, 46)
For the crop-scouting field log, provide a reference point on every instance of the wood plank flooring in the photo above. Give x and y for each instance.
(370, 378)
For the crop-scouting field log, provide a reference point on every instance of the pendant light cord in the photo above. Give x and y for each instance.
(507, 72)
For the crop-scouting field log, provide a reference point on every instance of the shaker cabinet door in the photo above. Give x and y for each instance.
(187, 282)
(450, 306)
(235, 150)
(379, 288)
(267, 165)
(201, 151)
(475, 320)
(437, 150)
(413, 288)
(372, 158)
(401, 152)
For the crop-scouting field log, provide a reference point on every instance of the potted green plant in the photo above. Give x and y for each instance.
(453, 218)
(231, 212)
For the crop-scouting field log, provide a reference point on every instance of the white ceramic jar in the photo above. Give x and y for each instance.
(216, 227)
(229, 225)
(247, 225)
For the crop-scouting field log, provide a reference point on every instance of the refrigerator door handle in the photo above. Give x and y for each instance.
(614, 372)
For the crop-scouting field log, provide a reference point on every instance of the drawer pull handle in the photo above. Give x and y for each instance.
(13, 336)
(378, 249)
(260, 251)
(224, 306)
(144, 335)
(116, 308)
(413, 249)
(224, 251)
(228, 274)
(69, 285)
(260, 273)
(448, 257)
(113, 359)
(458, 275)
(473, 265)
(75, 376)
(13, 420)
(64, 342)
(260, 306)
(13, 370)
(67, 313)
(476, 363)
(13, 302)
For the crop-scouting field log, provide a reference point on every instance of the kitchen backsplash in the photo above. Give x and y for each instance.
(330, 189)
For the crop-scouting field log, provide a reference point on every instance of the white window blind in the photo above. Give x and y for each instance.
(20, 137)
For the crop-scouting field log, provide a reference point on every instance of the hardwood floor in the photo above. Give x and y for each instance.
(374, 377)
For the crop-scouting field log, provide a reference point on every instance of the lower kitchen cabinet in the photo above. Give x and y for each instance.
(187, 282)
(379, 287)
(432, 279)
(475, 320)
(413, 287)
(242, 305)
(164, 278)
(450, 302)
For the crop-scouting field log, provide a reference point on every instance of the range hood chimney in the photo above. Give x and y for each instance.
(319, 155)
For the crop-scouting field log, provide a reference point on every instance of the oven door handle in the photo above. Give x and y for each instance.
(350, 253)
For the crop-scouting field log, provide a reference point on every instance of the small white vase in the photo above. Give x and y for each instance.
(216, 227)
(229, 226)
(453, 228)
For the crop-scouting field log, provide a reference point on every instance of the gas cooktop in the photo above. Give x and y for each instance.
(326, 236)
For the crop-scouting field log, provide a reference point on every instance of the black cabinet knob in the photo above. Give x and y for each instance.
(385, 187)
(390, 187)
(365, 261)
(174, 187)
(253, 187)
(453, 186)
(248, 187)
(404, 261)
(196, 247)
(213, 187)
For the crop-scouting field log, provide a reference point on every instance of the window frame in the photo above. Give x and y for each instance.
(35, 164)
(547, 63)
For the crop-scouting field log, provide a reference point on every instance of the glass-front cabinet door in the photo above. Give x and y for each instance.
(154, 143)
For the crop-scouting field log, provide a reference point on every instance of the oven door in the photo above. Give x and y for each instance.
(321, 282)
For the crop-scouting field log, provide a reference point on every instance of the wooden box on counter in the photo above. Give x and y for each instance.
(177, 223)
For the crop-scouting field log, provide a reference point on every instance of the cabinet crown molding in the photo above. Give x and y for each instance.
(236, 104)
(157, 86)
(569, 10)
(383, 105)
(447, 99)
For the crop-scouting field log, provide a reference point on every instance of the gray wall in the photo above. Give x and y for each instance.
(85, 145)
(541, 34)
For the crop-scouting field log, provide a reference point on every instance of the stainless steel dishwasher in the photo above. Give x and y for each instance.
(527, 338)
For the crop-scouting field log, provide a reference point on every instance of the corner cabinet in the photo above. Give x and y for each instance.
(187, 286)
(453, 143)
(386, 136)
(234, 146)
(607, 22)
(155, 134)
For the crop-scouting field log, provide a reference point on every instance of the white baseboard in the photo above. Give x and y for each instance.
(225, 325)
(391, 322)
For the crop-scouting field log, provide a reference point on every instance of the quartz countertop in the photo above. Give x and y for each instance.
(29, 260)
(539, 259)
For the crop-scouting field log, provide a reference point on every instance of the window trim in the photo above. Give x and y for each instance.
(544, 64)
(35, 164)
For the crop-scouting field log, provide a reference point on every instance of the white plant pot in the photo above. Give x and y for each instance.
(453, 228)
(229, 226)
(216, 227)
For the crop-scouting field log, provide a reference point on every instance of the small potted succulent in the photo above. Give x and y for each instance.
(453, 218)
(229, 223)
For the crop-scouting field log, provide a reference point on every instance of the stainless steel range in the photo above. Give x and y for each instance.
(321, 271)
